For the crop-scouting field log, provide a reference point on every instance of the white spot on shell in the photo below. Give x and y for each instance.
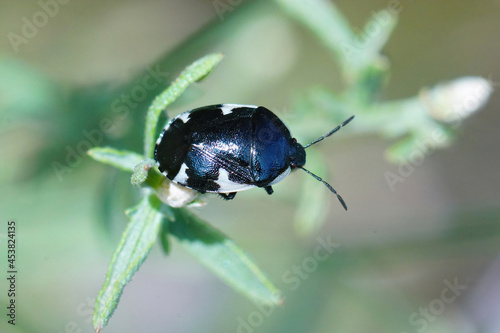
(228, 108)
(281, 176)
(181, 176)
(228, 186)
(184, 116)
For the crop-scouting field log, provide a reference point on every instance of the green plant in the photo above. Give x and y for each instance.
(431, 118)
(417, 125)
(152, 218)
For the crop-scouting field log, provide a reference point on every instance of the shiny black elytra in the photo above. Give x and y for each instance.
(226, 148)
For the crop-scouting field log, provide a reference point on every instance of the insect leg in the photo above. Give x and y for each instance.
(269, 190)
(228, 196)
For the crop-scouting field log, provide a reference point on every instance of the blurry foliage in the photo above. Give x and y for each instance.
(419, 124)
(153, 217)
(28, 96)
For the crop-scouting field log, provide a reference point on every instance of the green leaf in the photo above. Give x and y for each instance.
(164, 238)
(141, 171)
(122, 159)
(354, 51)
(193, 73)
(399, 151)
(370, 80)
(136, 242)
(325, 21)
(312, 210)
(221, 255)
(373, 43)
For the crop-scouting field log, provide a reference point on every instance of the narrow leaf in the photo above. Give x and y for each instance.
(164, 238)
(399, 151)
(136, 242)
(312, 210)
(193, 73)
(221, 255)
(122, 159)
(141, 171)
(375, 42)
(325, 21)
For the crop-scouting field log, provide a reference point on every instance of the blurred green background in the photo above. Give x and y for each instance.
(398, 251)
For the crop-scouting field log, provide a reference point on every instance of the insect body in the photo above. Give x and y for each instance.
(227, 148)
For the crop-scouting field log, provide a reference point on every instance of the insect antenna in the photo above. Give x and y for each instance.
(329, 133)
(327, 185)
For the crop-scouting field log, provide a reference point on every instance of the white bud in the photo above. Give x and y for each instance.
(458, 99)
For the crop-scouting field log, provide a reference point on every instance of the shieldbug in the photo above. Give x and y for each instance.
(227, 148)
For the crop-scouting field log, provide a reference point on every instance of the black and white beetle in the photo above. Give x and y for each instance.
(226, 148)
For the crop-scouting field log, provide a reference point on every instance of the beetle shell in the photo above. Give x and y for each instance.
(227, 148)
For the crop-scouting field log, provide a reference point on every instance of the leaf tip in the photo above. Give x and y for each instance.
(217, 56)
(279, 299)
(210, 60)
(91, 152)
